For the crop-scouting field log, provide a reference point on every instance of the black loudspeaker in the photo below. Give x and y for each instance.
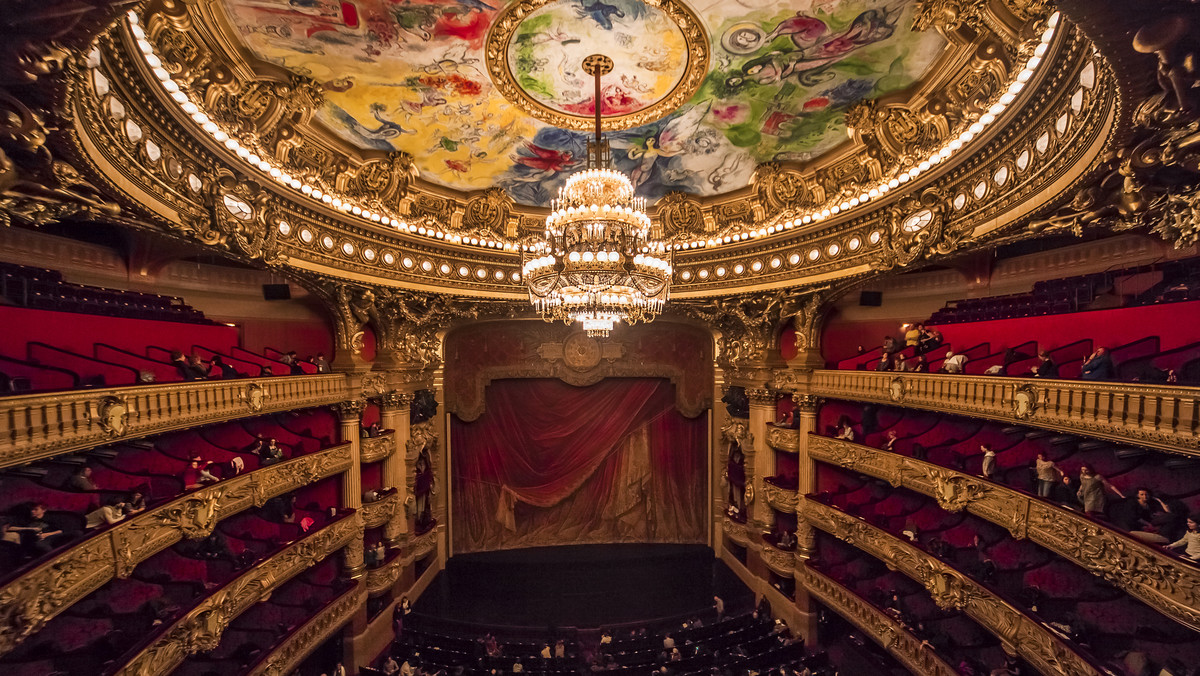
(277, 292)
(870, 298)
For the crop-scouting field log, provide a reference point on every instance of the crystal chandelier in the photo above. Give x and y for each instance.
(598, 264)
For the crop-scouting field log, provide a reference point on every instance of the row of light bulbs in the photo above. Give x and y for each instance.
(628, 215)
(279, 175)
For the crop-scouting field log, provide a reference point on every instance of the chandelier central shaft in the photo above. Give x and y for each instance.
(598, 263)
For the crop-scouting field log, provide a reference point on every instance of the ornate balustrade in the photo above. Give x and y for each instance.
(783, 499)
(1156, 416)
(381, 579)
(37, 426)
(950, 589)
(783, 439)
(876, 624)
(374, 449)
(32, 600)
(381, 511)
(285, 658)
(1164, 582)
(201, 628)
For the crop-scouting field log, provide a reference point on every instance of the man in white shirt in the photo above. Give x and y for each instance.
(668, 642)
(954, 362)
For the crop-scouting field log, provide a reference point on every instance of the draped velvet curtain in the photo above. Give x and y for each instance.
(549, 463)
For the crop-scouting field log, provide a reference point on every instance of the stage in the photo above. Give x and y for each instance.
(582, 586)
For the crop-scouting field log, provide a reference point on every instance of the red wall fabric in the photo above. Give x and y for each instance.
(305, 338)
(1176, 323)
(549, 463)
(78, 332)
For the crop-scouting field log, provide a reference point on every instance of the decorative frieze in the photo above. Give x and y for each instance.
(782, 499)
(374, 449)
(381, 511)
(950, 589)
(32, 600)
(888, 633)
(1162, 581)
(381, 579)
(1163, 417)
(36, 426)
(783, 439)
(201, 628)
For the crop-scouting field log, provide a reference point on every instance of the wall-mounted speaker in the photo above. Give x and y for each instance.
(277, 292)
(870, 298)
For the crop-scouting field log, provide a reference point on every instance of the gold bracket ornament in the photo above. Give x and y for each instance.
(254, 395)
(896, 389)
(112, 415)
(1025, 402)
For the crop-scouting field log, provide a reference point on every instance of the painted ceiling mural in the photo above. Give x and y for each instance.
(410, 75)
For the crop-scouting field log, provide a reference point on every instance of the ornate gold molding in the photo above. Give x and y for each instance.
(783, 563)
(38, 426)
(738, 532)
(32, 600)
(782, 499)
(381, 579)
(1020, 633)
(1163, 582)
(889, 634)
(201, 628)
(505, 24)
(783, 439)
(378, 513)
(421, 545)
(374, 449)
(284, 659)
(1162, 417)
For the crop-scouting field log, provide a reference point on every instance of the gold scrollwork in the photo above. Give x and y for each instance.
(1025, 402)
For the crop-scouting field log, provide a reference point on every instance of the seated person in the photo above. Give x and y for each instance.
(1098, 366)
(37, 535)
(112, 511)
(135, 502)
(844, 429)
(1190, 542)
(1046, 367)
(196, 474)
(225, 371)
(81, 480)
(268, 452)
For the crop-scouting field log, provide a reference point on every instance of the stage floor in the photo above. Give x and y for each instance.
(582, 586)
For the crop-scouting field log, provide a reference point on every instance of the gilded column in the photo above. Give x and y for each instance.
(396, 415)
(762, 414)
(350, 414)
(806, 416)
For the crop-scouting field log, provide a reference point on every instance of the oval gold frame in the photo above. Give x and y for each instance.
(695, 37)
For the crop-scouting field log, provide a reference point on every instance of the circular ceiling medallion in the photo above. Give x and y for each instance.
(535, 51)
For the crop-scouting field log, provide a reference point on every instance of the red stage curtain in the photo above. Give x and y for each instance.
(549, 463)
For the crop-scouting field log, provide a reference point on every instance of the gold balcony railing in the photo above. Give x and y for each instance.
(782, 499)
(1162, 581)
(378, 448)
(36, 426)
(381, 511)
(32, 600)
(288, 655)
(888, 633)
(201, 628)
(950, 589)
(1163, 417)
(381, 579)
(783, 439)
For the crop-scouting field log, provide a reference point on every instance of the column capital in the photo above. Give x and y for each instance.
(350, 410)
(806, 403)
(395, 400)
(761, 396)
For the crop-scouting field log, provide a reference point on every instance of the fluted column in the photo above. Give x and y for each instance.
(806, 416)
(395, 415)
(762, 414)
(350, 414)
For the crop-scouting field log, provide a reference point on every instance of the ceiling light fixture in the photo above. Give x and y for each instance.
(598, 264)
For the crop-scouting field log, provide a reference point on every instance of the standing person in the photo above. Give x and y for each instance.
(322, 365)
(954, 363)
(912, 337)
(989, 461)
(719, 606)
(1047, 475)
(1091, 491)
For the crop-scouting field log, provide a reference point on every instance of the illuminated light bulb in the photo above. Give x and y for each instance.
(806, 220)
(179, 97)
(220, 136)
(1040, 50)
(1016, 87)
(975, 128)
(873, 193)
(190, 108)
(243, 152)
(337, 202)
(893, 183)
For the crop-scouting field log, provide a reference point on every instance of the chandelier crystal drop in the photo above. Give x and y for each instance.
(598, 264)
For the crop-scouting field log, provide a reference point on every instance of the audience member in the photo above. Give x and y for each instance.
(112, 511)
(1098, 366)
(912, 337)
(390, 668)
(1047, 475)
(226, 371)
(719, 607)
(900, 364)
(889, 442)
(268, 452)
(197, 367)
(1141, 517)
(885, 363)
(135, 502)
(196, 474)
(36, 534)
(1091, 491)
(321, 364)
(1046, 367)
(954, 363)
(989, 461)
(81, 480)
(922, 365)
(844, 429)
(890, 346)
(1190, 542)
(1066, 492)
(560, 649)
